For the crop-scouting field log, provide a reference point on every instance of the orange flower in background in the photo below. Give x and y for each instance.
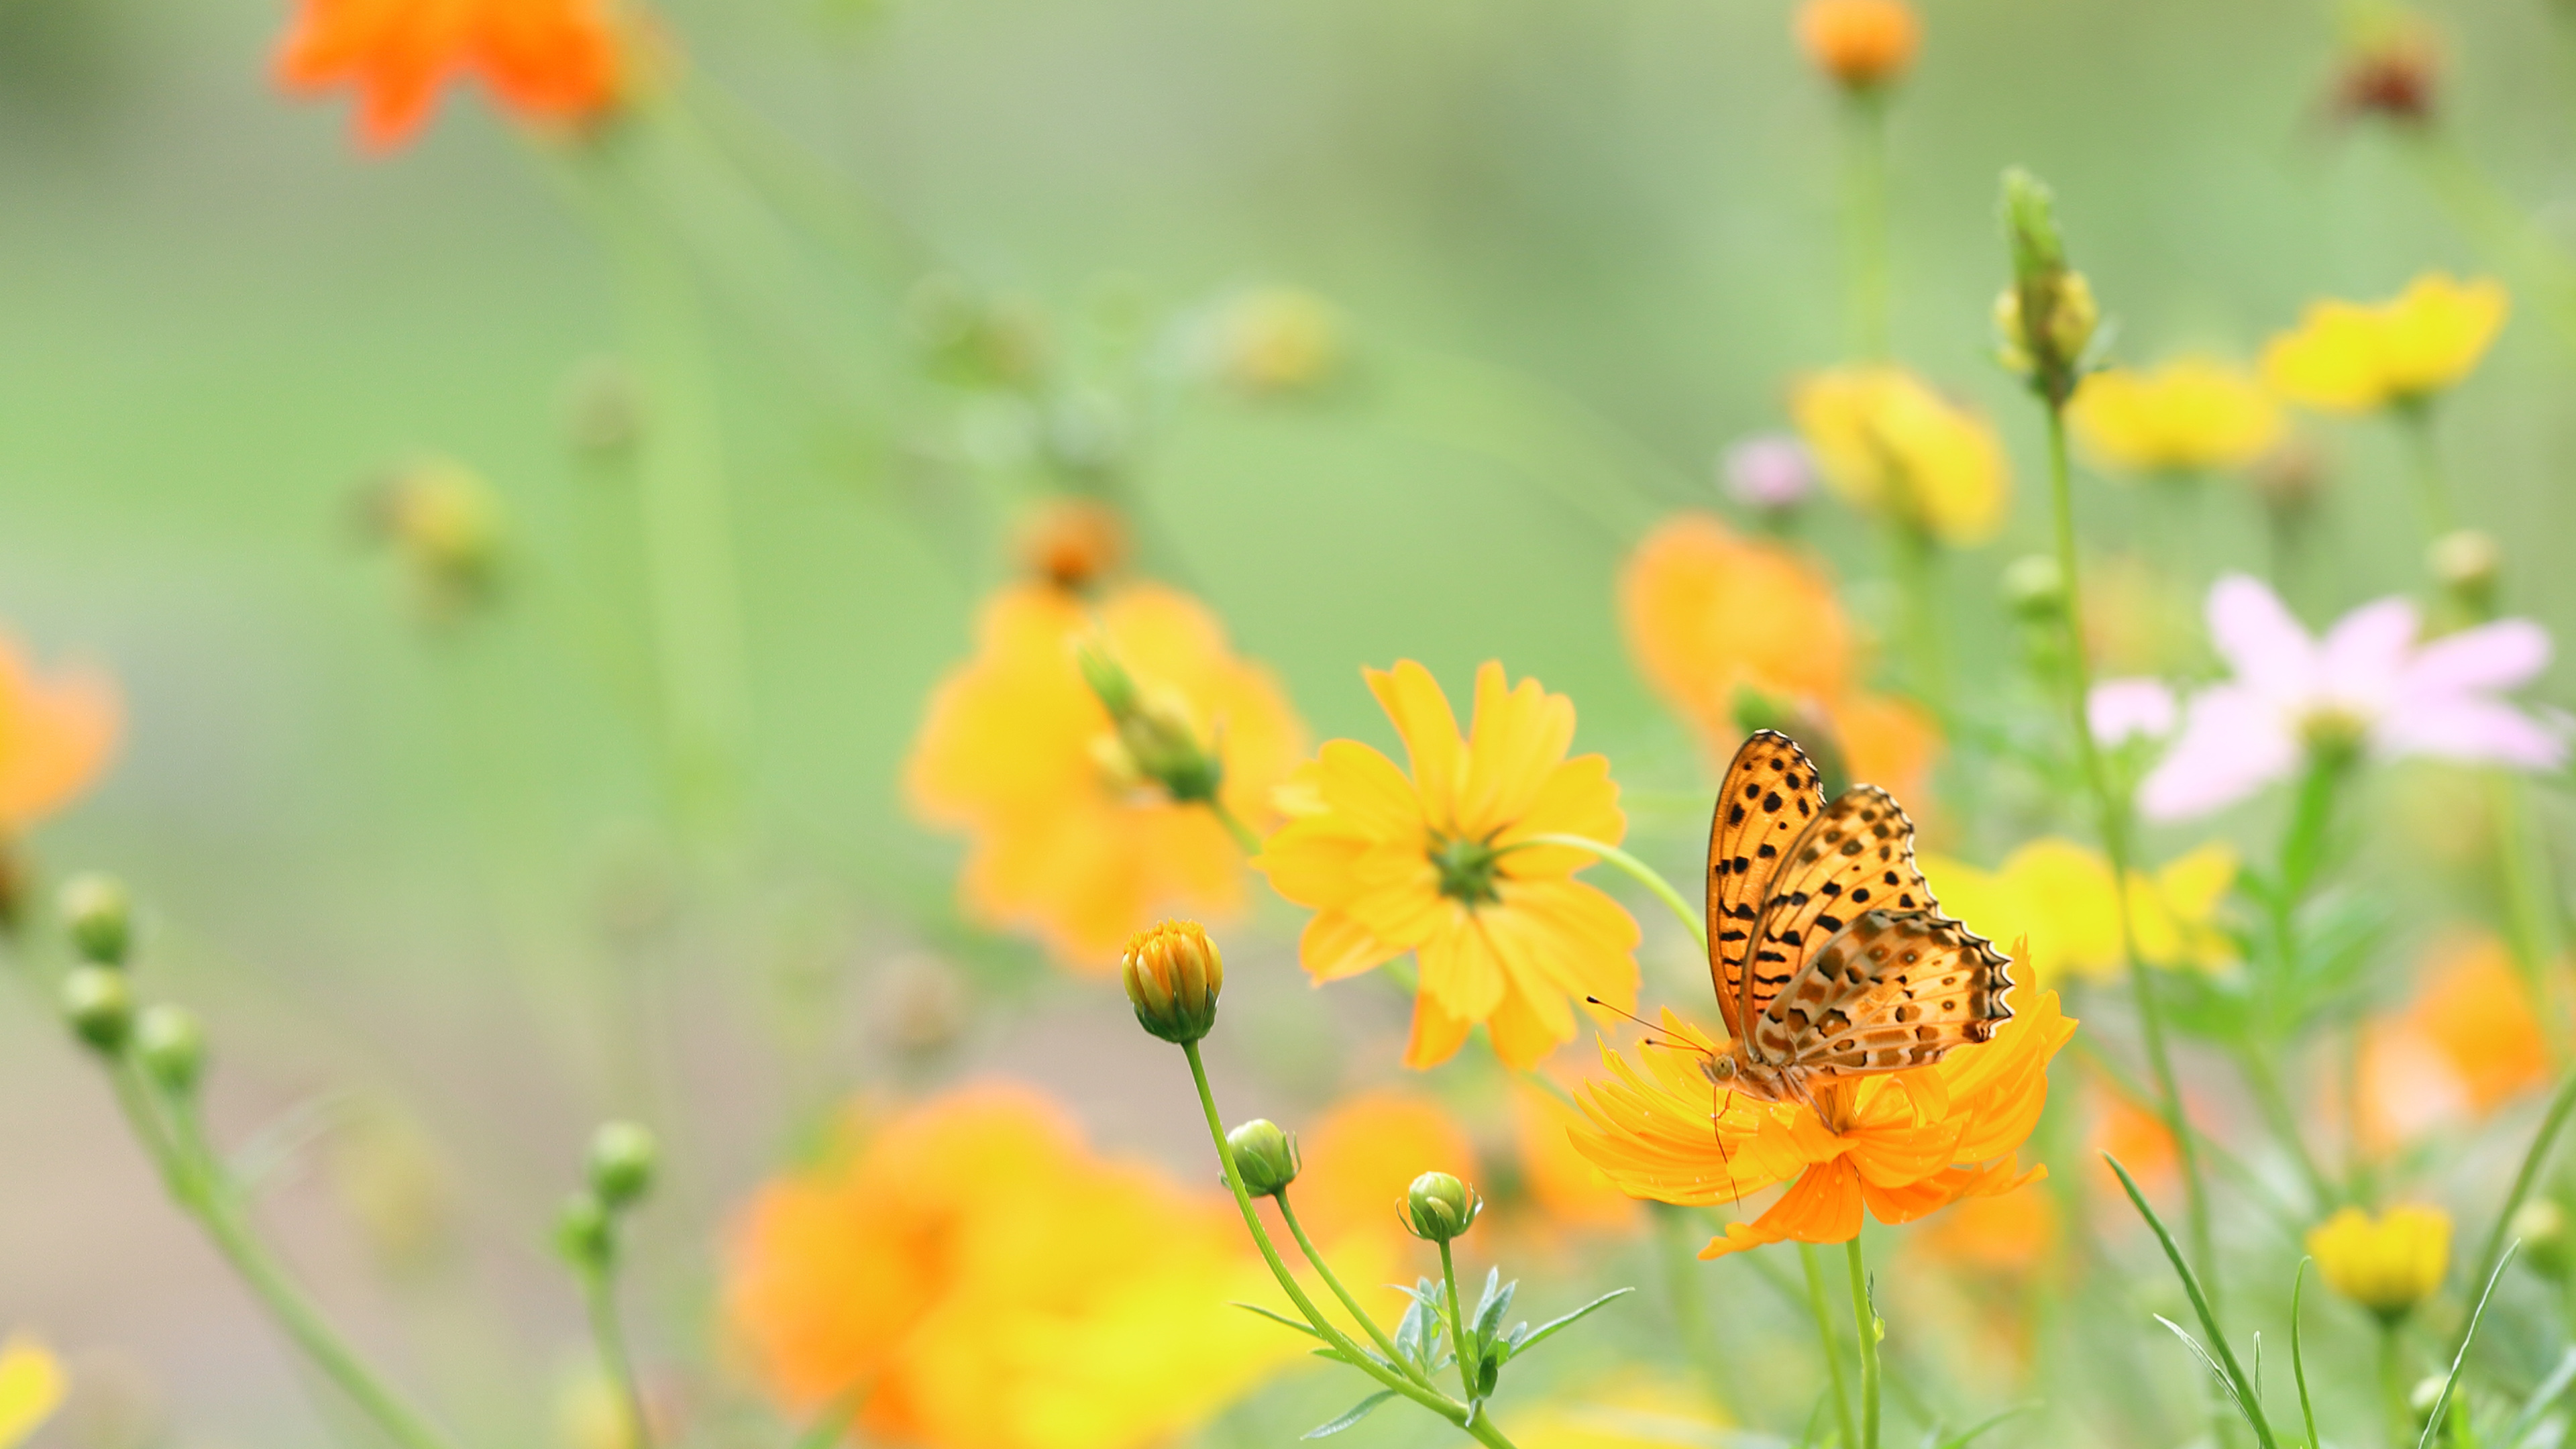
(1860, 43)
(1903, 1145)
(554, 60)
(1364, 1152)
(1564, 1183)
(2468, 1044)
(56, 736)
(1439, 863)
(1017, 753)
(986, 1282)
(1710, 614)
(2006, 1235)
(2131, 1131)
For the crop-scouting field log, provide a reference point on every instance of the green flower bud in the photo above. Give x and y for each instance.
(2034, 588)
(98, 1002)
(1173, 974)
(172, 1047)
(2048, 316)
(2548, 1238)
(585, 1232)
(1265, 1155)
(99, 916)
(2468, 562)
(622, 1159)
(1439, 1207)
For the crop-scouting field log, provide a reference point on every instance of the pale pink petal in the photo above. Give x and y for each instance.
(2473, 731)
(2233, 742)
(2365, 654)
(2123, 709)
(2255, 634)
(2506, 654)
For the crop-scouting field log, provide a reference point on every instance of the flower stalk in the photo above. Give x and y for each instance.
(1865, 1323)
(1865, 214)
(1832, 1351)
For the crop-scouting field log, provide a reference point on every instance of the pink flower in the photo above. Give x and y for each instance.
(1769, 472)
(2367, 683)
(2120, 710)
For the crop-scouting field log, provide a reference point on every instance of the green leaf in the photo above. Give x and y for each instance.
(2226, 1380)
(1300, 1325)
(1357, 1412)
(1540, 1334)
(1489, 1313)
(2233, 1375)
(1335, 1354)
(1409, 1331)
(2442, 1404)
(2298, 1363)
(2541, 1401)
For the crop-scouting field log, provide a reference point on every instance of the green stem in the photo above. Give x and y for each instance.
(2114, 817)
(1333, 1281)
(1481, 1426)
(1461, 1335)
(2525, 878)
(599, 1298)
(2393, 1387)
(1865, 1322)
(1234, 825)
(1637, 870)
(1673, 1246)
(2284, 1121)
(2424, 466)
(1865, 219)
(1816, 1305)
(1918, 562)
(2492, 1250)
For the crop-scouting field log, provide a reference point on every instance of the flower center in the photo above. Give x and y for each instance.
(2333, 732)
(1466, 869)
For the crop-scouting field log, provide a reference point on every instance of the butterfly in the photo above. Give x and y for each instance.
(1830, 956)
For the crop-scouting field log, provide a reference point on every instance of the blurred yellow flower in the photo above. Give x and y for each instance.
(2386, 1264)
(985, 1281)
(31, 1388)
(2190, 413)
(1017, 753)
(1889, 443)
(55, 737)
(1438, 863)
(1278, 340)
(2351, 357)
(2060, 892)
(1636, 1409)
(1709, 613)
(2469, 1043)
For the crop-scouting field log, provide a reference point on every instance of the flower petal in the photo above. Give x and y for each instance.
(2477, 731)
(2253, 631)
(2506, 654)
(2365, 654)
(2233, 742)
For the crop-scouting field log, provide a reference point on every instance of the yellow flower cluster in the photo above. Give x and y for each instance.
(2189, 414)
(1888, 442)
(2061, 894)
(2353, 357)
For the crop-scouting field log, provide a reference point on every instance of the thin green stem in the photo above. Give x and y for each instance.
(1637, 870)
(1333, 1281)
(1817, 1306)
(1234, 825)
(1918, 565)
(2424, 466)
(1481, 1425)
(1673, 1248)
(1865, 1322)
(2492, 1250)
(1865, 230)
(2114, 817)
(1461, 1334)
(2531, 925)
(608, 1335)
(2392, 1384)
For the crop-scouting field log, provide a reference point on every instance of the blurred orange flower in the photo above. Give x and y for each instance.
(1709, 613)
(56, 736)
(557, 60)
(1902, 1144)
(1438, 863)
(1362, 1154)
(2008, 1235)
(1860, 43)
(2131, 1131)
(2469, 1043)
(984, 1281)
(1564, 1183)
(1017, 753)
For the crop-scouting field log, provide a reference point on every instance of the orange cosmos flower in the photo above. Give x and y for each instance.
(1068, 840)
(1710, 614)
(1860, 43)
(2468, 1044)
(55, 737)
(1901, 1144)
(555, 60)
(984, 1281)
(1438, 863)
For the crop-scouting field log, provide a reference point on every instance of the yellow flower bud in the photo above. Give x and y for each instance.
(1439, 1207)
(2388, 1264)
(1173, 974)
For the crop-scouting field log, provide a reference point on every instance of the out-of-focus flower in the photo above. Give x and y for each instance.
(390, 1179)
(1862, 44)
(1073, 543)
(1361, 1154)
(2387, 1264)
(2367, 684)
(1439, 863)
(1067, 840)
(2190, 413)
(1554, 1173)
(2060, 894)
(2352, 357)
(2009, 1235)
(2121, 710)
(1709, 615)
(31, 1388)
(2130, 1130)
(446, 524)
(552, 60)
(2469, 1043)
(1901, 1144)
(1889, 443)
(1638, 1409)
(2138, 619)
(2391, 67)
(1274, 340)
(1769, 474)
(591, 1412)
(982, 1280)
(56, 736)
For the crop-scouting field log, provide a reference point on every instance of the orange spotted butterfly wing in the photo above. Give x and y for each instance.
(1888, 991)
(1769, 798)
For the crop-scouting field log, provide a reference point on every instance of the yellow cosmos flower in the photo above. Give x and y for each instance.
(2062, 893)
(2386, 1264)
(31, 1388)
(1886, 441)
(2352, 357)
(1439, 863)
(1067, 842)
(2189, 414)
(985, 1281)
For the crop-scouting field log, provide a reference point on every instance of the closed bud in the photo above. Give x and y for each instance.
(2468, 562)
(2047, 317)
(1265, 1155)
(2386, 1264)
(98, 1002)
(2034, 588)
(1438, 1207)
(171, 1046)
(585, 1232)
(99, 917)
(1108, 680)
(2548, 1238)
(622, 1158)
(1173, 974)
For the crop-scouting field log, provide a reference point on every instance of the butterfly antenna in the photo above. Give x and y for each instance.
(1649, 1026)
